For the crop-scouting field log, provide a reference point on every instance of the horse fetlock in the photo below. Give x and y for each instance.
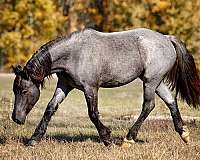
(132, 134)
(106, 139)
(127, 143)
(131, 141)
(105, 136)
(107, 142)
(185, 136)
(32, 142)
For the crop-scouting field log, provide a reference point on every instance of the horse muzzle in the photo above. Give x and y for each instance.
(19, 118)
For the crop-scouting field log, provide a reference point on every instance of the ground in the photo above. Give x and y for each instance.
(71, 135)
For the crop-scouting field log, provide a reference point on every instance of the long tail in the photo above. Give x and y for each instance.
(183, 76)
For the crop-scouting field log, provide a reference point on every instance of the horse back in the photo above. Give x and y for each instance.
(115, 59)
(111, 60)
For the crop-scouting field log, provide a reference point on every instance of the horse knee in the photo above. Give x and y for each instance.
(51, 108)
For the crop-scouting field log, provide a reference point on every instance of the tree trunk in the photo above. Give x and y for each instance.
(84, 14)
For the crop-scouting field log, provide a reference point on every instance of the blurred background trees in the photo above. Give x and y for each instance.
(27, 24)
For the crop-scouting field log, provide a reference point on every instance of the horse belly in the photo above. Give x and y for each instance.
(118, 76)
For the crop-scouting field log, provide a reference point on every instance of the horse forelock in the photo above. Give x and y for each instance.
(17, 82)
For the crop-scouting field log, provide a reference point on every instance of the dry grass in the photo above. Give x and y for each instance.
(71, 135)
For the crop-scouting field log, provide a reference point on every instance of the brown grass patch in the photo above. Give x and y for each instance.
(71, 135)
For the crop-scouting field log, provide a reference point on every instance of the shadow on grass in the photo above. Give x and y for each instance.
(63, 138)
(119, 141)
(2, 140)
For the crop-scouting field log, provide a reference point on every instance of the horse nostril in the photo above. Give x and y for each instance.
(18, 119)
(13, 117)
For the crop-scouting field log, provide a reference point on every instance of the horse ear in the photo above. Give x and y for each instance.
(25, 73)
(17, 70)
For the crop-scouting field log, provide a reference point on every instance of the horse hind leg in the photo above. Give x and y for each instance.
(148, 105)
(164, 93)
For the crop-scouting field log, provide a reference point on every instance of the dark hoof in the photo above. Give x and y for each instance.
(32, 142)
(108, 142)
(105, 137)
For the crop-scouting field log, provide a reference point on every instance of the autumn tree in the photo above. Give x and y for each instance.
(177, 17)
(24, 25)
(84, 14)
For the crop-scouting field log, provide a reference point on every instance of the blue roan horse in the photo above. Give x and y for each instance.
(88, 60)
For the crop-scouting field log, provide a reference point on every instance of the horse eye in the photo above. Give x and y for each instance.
(24, 91)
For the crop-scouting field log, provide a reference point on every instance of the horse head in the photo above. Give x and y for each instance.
(26, 92)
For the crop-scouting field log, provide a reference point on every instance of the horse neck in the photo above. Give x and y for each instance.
(52, 57)
(39, 66)
(63, 54)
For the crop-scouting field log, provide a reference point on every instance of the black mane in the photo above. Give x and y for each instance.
(39, 66)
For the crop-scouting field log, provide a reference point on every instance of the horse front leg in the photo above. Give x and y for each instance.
(91, 95)
(59, 95)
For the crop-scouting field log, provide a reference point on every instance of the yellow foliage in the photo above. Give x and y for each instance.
(92, 10)
(21, 6)
(79, 6)
(9, 18)
(160, 6)
(177, 17)
(10, 39)
(25, 26)
(27, 31)
(38, 14)
(98, 19)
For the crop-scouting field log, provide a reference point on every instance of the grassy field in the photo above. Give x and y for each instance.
(71, 135)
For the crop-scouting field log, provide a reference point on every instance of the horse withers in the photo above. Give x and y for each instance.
(88, 60)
